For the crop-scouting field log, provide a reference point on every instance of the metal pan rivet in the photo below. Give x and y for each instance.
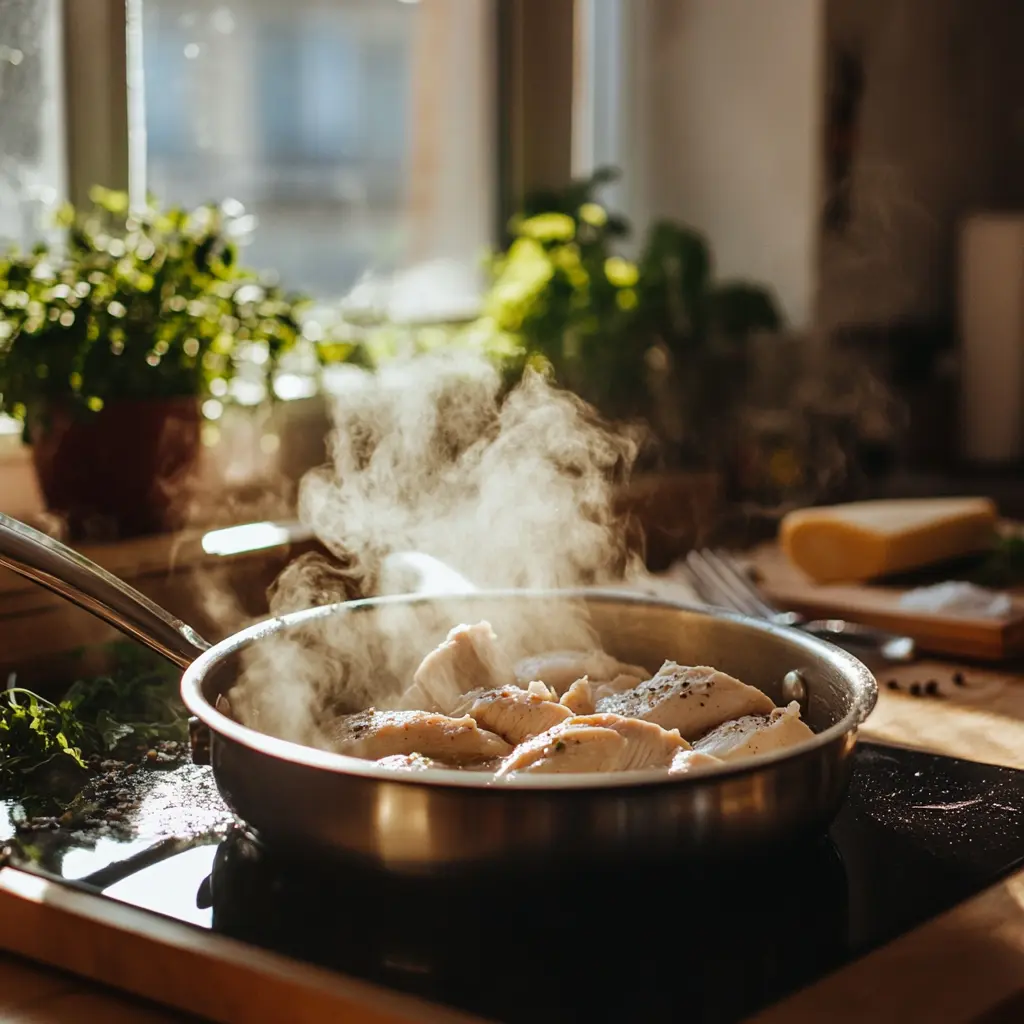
(794, 686)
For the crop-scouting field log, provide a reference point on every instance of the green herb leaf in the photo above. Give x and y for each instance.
(135, 705)
(111, 731)
(33, 732)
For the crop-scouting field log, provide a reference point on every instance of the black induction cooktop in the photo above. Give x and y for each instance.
(918, 834)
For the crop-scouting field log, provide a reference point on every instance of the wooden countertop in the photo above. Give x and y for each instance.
(965, 967)
(30, 994)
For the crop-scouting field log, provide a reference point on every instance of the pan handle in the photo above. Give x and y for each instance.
(56, 567)
(414, 572)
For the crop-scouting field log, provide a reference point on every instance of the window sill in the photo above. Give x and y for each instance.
(19, 492)
(240, 461)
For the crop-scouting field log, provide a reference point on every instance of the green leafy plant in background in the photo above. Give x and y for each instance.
(629, 337)
(138, 304)
(562, 300)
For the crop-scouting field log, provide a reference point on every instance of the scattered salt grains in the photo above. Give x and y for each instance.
(956, 597)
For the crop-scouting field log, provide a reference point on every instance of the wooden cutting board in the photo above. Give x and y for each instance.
(877, 605)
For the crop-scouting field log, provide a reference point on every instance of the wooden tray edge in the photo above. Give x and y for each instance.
(187, 968)
(937, 636)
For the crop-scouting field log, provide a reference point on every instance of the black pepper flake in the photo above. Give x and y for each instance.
(931, 687)
(893, 684)
(915, 689)
(958, 679)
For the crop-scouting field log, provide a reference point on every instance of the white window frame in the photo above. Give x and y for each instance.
(95, 95)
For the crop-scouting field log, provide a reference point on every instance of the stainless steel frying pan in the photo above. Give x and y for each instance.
(311, 801)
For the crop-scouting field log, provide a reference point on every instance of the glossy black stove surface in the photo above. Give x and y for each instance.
(918, 834)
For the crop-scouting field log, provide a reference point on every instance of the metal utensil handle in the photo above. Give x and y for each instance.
(891, 646)
(57, 567)
(414, 572)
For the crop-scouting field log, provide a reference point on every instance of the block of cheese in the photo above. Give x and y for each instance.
(864, 540)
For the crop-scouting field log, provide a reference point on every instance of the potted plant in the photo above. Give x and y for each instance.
(658, 340)
(110, 343)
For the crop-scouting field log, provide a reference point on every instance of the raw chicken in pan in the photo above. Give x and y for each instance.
(560, 669)
(596, 743)
(690, 699)
(583, 696)
(685, 761)
(756, 734)
(468, 659)
(513, 713)
(580, 698)
(408, 762)
(566, 712)
(377, 734)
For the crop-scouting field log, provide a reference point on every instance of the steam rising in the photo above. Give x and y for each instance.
(515, 494)
(429, 455)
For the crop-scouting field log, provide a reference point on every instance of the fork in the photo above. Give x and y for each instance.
(719, 580)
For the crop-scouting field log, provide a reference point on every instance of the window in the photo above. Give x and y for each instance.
(382, 138)
(365, 135)
(31, 143)
(31, 140)
(308, 114)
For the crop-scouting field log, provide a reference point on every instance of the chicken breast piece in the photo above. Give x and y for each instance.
(560, 669)
(408, 762)
(595, 743)
(580, 698)
(378, 734)
(686, 761)
(513, 713)
(469, 659)
(620, 684)
(583, 695)
(692, 700)
(756, 734)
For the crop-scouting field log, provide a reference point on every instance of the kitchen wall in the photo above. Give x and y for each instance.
(724, 126)
(726, 99)
(940, 134)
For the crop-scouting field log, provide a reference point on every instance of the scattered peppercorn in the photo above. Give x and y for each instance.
(931, 687)
(893, 684)
(915, 689)
(958, 679)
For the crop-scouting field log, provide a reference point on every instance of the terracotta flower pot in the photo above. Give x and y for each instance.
(124, 472)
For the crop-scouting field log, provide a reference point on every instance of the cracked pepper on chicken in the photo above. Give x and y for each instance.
(565, 712)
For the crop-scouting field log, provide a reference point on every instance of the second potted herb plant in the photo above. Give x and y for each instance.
(659, 340)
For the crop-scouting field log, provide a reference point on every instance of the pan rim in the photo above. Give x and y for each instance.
(864, 695)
